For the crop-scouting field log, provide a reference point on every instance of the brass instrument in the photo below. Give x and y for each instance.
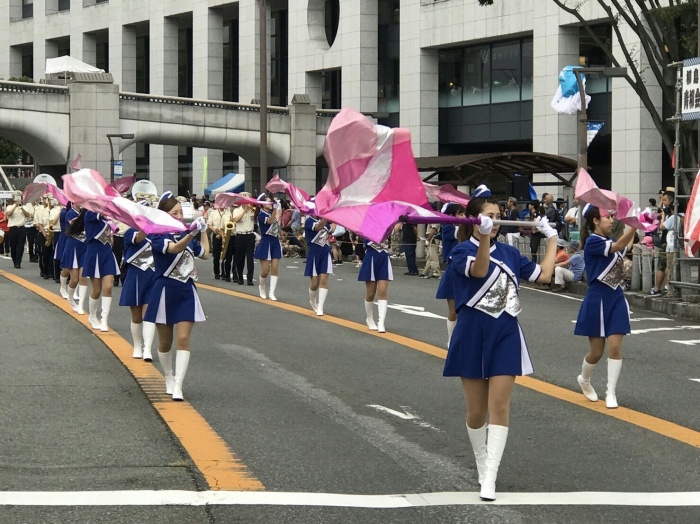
(49, 237)
(229, 229)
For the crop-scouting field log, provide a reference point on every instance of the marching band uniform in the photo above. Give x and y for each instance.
(99, 262)
(376, 266)
(245, 242)
(73, 257)
(318, 260)
(137, 284)
(173, 298)
(55, 227)
(41, 252)
(445, 288)
(269, 248)
(58, 252)
(228, 268)
(216, 223)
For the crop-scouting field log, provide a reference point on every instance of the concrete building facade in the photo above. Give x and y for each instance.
(463, 78)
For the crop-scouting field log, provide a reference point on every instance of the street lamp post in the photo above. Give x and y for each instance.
(263, 95)
(125, 136)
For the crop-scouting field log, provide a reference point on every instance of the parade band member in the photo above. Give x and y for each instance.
(376, 272)
(55, 211)
(138, 256)
(604, 316)
(73, 258)
(269, 250)
(17, 233)
(244, 218)
(100, 267)
(318, 260)
(445, 288)
(173, 303)
(216, 223)
(488, 350)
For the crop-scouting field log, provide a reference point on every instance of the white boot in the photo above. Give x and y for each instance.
(261, 287)
(149, 332)
(498, 435)
(92, 312)
(82, 296)
(369, 316)
(322, 294)
(273, 286)
(138, 339)
(182, 360)
(477, 437)
(614, 368)
(166, 363)
(106, 306)
(450, 328)
(383, 306)
(63, 289)
(71, 300)
(313, 300)
(584, 380)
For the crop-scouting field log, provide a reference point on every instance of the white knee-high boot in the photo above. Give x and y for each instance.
(614, 368)
(369, 315)
(383, 305)
(273, 286)
(322, 295)
(106, 306)
(182, 360)
(450, 328)
(584, 380)
(71, 299)
(496, 443)
(82, 296)
(63, 290)
(166, 363)
(149, 332)
(313, 300)
(136, 334)
(92, 312)
(261, 287)
(477, 437)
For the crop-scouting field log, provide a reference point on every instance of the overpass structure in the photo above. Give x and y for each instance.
(55, 123)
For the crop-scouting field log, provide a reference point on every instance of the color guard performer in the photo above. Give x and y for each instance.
(100, 267)
(73, 258)
(376, 272)
(604, 316)
(269, 250)
(64, 273)
(173, 303)
(318, 260)
(488, 350)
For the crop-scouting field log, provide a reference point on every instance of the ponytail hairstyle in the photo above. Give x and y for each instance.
(78, 225)
(590, 213)
(475, 206)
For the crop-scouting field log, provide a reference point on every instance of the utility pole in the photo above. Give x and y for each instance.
(263, 95)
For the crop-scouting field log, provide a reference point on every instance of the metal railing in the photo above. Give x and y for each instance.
(194, 102)
(26, 87)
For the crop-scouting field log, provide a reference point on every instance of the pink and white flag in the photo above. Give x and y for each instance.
(446, 194)
(611, 203)
(76, 164)
(33, 192)
(691, 229)
(224, 200)
(88, 189)
(299, 197)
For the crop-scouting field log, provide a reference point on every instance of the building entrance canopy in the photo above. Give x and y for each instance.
(471, 170)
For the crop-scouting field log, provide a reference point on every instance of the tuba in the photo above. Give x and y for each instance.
(229, 229)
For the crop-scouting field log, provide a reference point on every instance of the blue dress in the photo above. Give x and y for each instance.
(487, 340)
(99, 257)
(376, 265)
(173, 297)
(269, 246)
(61, 242)
(318, 253)
(73, 255)
(449, 241)
(140, 273)
(604, 310)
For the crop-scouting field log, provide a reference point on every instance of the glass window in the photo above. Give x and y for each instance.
(450, 78)
(526, 93)
(63, 5)
(477, 75)
(505, 73)
(27, 8)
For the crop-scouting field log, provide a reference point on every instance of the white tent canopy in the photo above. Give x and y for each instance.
(68, 64)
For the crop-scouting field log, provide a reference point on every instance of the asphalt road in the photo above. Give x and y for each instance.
(322, 406)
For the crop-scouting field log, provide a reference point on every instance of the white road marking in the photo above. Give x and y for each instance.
(415, 310)
(659, 319)
(695, 379)
(686, 342)
(652, 330)
(271, 498)
(405, 415)
(561, 295)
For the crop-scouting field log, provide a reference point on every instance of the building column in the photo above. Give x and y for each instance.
(358, 35)
(163, 31)
(419, 88)
(208, 82)
(302, 159)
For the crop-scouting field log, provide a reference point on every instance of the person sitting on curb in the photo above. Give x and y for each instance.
(569, 271)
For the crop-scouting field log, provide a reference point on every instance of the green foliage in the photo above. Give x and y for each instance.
(679, 26)
(21, 79)
(9, 152)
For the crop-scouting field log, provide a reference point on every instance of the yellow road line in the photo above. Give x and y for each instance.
(649, 422)
(220, 467)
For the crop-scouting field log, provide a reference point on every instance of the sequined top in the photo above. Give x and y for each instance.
(139, 254)
(601, 265)
(97, 228)
(319, 238)
(273, 229)
(497, 292)
(178, 266)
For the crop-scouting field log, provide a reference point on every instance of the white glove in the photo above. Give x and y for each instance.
(545, 228)
(486, 225)
(277, 205)
(198, 225)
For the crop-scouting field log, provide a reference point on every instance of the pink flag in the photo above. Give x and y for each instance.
(691, 230)
(76, 164)
(34, 191)
(123, 184)
(224, 200)
(609, 202)
(88, 189)
(446, 194)
(298, 196)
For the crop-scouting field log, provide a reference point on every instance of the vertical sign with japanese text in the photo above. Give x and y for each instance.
(690, 98)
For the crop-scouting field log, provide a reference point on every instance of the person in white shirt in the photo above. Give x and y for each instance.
(17, 233)
(571, 221)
